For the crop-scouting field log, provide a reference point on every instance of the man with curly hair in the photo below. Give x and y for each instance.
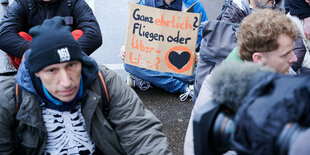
(267, 38)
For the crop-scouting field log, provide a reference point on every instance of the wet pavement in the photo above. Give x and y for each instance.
(112, 18)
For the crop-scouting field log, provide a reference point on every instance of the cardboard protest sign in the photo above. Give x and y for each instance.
(161, 40)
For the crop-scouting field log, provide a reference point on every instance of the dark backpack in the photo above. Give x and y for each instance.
(104, 96)
(218, 40)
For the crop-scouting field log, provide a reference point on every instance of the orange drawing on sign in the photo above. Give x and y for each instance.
(174, 22)
(157, 64)
(143, 63)
(142, 48)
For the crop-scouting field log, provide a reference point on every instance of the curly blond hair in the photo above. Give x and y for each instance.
(260, 30)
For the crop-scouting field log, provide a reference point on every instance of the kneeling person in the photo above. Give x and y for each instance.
(62, 104)
(265, 37)
(170, 82)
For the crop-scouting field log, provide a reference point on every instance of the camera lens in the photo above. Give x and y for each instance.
(222, 130)
(287, 137)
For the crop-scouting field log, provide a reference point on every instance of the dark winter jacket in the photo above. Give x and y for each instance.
(134, 129)
(24, 14)
(298, 8)
(273, 100)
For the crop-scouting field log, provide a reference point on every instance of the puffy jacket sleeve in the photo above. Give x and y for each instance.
(13, 22)
(87, 22)
(139, 131)
(7, 118)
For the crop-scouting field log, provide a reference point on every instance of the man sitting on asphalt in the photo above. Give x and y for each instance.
(265, 37)
(62, 103)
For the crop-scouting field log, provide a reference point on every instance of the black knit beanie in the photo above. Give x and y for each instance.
(52, 43)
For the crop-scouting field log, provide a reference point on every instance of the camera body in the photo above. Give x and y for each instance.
(250, 111)
(213, 125)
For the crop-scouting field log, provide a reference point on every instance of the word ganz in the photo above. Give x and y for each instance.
(174, 22)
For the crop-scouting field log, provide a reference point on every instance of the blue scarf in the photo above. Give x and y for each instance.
(59, 105)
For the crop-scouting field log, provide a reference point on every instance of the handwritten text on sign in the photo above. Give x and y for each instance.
(161, 40)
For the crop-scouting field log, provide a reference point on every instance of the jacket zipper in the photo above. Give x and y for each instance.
(48, 11)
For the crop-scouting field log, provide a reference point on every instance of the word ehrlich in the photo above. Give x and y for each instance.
(174, 22)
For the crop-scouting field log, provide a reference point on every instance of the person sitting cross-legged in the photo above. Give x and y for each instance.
(265, 37)
(171, 82)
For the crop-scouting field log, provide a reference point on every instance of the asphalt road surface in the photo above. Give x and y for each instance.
(112, 18)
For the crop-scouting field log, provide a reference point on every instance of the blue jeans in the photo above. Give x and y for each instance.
(170, 82)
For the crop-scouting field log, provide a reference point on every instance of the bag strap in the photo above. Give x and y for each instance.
(18, 97)
(105, 97)
(190, 9)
